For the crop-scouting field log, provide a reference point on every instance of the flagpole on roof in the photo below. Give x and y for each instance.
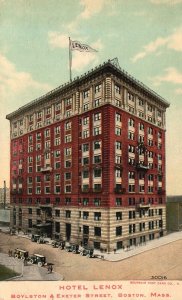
(70, 58)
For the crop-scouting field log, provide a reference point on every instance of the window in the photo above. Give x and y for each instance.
(38, 190)
(85, 160)
(130, 97)
(30, 169)
(57, 153)
(85, 147)
(97, 216)
(118, 215)
(97, 102)
(97, 116)
(118, 131)
(141, 188)
(67, 176)
(29, 223)
(141, 126)
(97, 173)
(131, 188)
(131, 201)
(118, 159)
(132, 228)
(85, 106)
(140, 102)
(85, 133)
(97, 187)
(68, 214)
(30, 211)
(131, 149)
(38, 179)
(150, 130)
(131, 135)
(47, 132)
(131, 175)
(150, 154)
(117, 89)
(57, 141)
(57, 189)
(97, 159)
(57, 165)
(97, 145)
(67, 151)
(85, 120)
(131, 122)
(85, 215)
(67, 163)
(97, 88)
(118, 117)
(97, 201)
(85, 229)
(68, 101)
(97, 231)
(47, 177)
(86, 94)
(131, 214)
(118, 201)
(57, 129)
(150, 189)
(141, 138)
(150, 108)
(30, 159)
(85, 174)
(118, 103)
(67, 201)
(97, 130)
(118, 230)
(68, 138)
(57, 177)
(48, 110)
(118, 145)
(47, 190)
(85, 201)
(57, 106)
(118, 173)
(150, 142)
(68, 188)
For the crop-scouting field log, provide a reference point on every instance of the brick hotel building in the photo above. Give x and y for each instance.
(88, 161)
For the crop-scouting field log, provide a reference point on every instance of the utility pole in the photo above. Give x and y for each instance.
(4, 194)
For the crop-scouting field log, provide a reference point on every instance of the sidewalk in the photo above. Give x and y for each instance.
(29, 272)
(135, 250)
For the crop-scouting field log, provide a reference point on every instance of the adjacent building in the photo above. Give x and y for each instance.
(174, 213)
(88, 161)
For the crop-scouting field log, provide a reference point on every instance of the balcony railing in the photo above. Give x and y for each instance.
(46, 169)
(143, 205)
(142, 167)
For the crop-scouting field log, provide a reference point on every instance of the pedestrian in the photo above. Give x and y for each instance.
(51, 268)
(48, 269)
(9, 253)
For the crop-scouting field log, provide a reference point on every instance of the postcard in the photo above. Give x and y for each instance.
(90, 181)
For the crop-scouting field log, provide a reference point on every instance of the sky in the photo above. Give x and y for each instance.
(145, 36)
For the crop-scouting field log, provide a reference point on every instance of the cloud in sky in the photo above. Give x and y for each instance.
(58, 40)
(79, 59)
(178, 91)
(173, 41)
(171, 75)
(15, 87)
(91, 7)
(169, 2)
(15, 83)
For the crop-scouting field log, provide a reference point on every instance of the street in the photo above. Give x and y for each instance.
(164, 261)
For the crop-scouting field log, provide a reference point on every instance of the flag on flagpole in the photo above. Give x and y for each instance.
(75, 45)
